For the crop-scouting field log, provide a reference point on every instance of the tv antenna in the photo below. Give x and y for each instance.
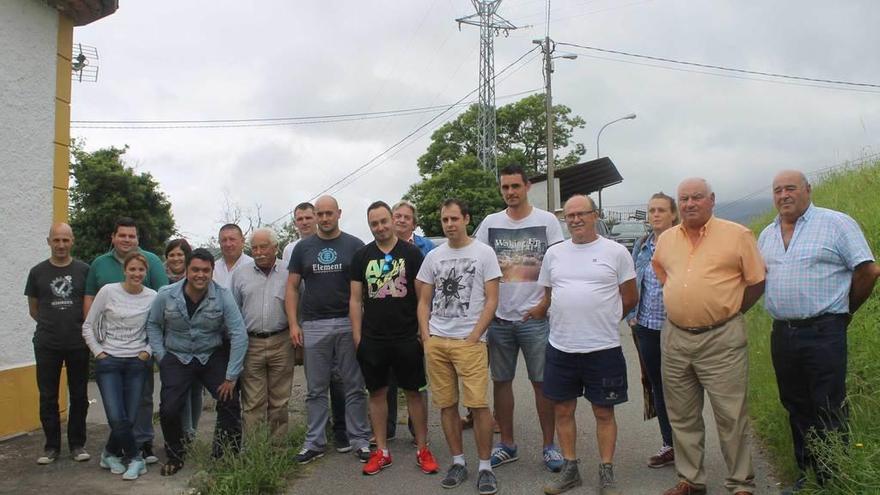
(84, 64)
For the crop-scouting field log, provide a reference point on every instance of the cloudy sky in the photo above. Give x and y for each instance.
(172, 60)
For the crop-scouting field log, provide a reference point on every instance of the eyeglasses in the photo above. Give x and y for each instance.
(578, 214)
(386, 263)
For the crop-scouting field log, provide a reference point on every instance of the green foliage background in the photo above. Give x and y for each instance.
(103, 190)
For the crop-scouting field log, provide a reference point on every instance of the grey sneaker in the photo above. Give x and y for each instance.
(569, 477)
(454, 477)
(607, 486)
(48, 457)
(79, 454)
(487, 484)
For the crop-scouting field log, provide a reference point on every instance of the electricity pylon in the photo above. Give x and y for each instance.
(491, 24)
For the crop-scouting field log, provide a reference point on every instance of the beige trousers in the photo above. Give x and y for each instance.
(716, 362)
(266, 381)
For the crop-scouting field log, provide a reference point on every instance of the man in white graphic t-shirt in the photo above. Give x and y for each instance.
(457, 287)
(590, 282)
(519, 235)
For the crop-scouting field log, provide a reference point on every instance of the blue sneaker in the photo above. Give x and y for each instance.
(553, 458)
(502, 454)
(111, 462)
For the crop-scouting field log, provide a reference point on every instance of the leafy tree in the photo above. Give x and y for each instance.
(104, 189)
(462, 179)
(450, 168)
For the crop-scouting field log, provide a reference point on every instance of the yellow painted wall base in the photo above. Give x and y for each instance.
(20, 400)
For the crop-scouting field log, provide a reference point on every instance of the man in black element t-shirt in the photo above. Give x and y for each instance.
(323, 263)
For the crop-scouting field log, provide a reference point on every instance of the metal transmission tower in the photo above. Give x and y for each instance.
(491, 24)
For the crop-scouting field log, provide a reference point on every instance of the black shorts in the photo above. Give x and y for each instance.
(599, 376)
(403, 357)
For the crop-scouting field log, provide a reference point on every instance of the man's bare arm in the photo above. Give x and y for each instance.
(751, 294)
(33, 307)
(629, 295)
(488, 312)
(356, 311)
(425, 292)
(291, 307)
(863, 279)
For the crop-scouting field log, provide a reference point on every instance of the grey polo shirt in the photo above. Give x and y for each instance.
(260, 297)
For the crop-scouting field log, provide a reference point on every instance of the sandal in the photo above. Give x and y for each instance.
(171, 468)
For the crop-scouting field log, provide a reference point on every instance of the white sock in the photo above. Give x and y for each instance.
(385, 452)
(485, 465)
(458, 459)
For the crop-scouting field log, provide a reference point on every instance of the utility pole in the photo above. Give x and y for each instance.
(490, 24)
(548, 47)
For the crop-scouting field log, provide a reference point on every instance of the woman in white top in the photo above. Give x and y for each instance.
(115, 332)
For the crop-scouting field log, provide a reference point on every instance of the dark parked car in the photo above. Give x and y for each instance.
(627, 232)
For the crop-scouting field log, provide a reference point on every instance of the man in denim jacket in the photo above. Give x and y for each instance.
(185, 329)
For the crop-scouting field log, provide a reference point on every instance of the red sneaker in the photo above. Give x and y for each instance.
(425, 460)
(377, 463)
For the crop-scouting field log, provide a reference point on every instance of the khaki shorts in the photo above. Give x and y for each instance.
(451, 360)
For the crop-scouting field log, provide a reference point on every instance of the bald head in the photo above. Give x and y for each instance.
(791, 194)
(328, 213)
(580, 218)
(60, 243)
(696, 201)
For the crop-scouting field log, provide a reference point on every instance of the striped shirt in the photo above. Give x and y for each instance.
(651, 310)
(813, 276)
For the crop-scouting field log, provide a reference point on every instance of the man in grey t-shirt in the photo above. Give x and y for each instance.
(323, 262)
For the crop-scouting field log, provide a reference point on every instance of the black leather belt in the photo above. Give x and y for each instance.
(699, 330)
(808, 322)
(266, 335)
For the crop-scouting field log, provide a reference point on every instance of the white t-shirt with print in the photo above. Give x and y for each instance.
(458, 276)
(519, 246)
(586, 307)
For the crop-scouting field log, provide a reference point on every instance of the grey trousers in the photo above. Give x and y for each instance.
(329, 345)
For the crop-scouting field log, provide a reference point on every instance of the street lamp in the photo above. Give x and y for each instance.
(625, 117)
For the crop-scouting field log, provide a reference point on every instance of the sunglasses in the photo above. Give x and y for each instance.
(386, 264)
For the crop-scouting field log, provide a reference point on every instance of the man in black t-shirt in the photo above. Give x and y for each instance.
(55, 290)
(323, 263)
(385, 328)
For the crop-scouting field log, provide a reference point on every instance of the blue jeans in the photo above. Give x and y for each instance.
(505, 340)
(649, 350)
(121, 382)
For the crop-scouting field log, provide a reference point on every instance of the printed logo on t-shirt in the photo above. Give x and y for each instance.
(452, 293)
(519, 251)
(386, 278)
(62, 288)
(326, 262)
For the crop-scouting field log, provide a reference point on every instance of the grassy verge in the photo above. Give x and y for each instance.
(855, 191)
(260, 469)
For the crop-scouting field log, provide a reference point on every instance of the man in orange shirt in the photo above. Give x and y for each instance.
(712, 273)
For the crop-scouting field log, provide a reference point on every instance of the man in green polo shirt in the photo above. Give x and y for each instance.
(107, 269)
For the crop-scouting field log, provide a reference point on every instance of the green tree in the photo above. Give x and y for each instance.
(103, 190)
(449, 167)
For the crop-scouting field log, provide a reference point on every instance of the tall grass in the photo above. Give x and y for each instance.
(855, 191)
(260, 469)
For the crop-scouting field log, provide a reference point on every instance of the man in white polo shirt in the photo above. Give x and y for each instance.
(590, 282)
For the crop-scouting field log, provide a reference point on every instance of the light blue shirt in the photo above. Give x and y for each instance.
(813, 276)
(170, 328)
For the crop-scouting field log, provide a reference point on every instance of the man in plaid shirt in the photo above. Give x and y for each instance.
(819, 271)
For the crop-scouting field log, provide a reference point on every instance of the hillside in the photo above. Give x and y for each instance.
(855, 191)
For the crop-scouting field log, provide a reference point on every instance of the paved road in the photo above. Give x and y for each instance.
(637, 440)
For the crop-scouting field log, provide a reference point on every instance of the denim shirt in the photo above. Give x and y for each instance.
(170, 328)
(641, 254)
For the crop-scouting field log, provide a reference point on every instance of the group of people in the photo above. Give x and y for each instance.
(400, 312)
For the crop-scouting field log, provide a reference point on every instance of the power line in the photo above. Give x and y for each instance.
(719, 67)
(402, 140)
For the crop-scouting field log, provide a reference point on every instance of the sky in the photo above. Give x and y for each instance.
(172, 60)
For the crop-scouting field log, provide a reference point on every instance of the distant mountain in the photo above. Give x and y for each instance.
(744, 211)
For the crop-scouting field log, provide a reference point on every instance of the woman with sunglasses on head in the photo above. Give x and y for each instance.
(115, 332)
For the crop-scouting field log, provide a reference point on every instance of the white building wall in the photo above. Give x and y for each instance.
(28, 33)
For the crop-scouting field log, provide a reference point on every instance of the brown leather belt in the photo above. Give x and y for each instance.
(699, 330)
